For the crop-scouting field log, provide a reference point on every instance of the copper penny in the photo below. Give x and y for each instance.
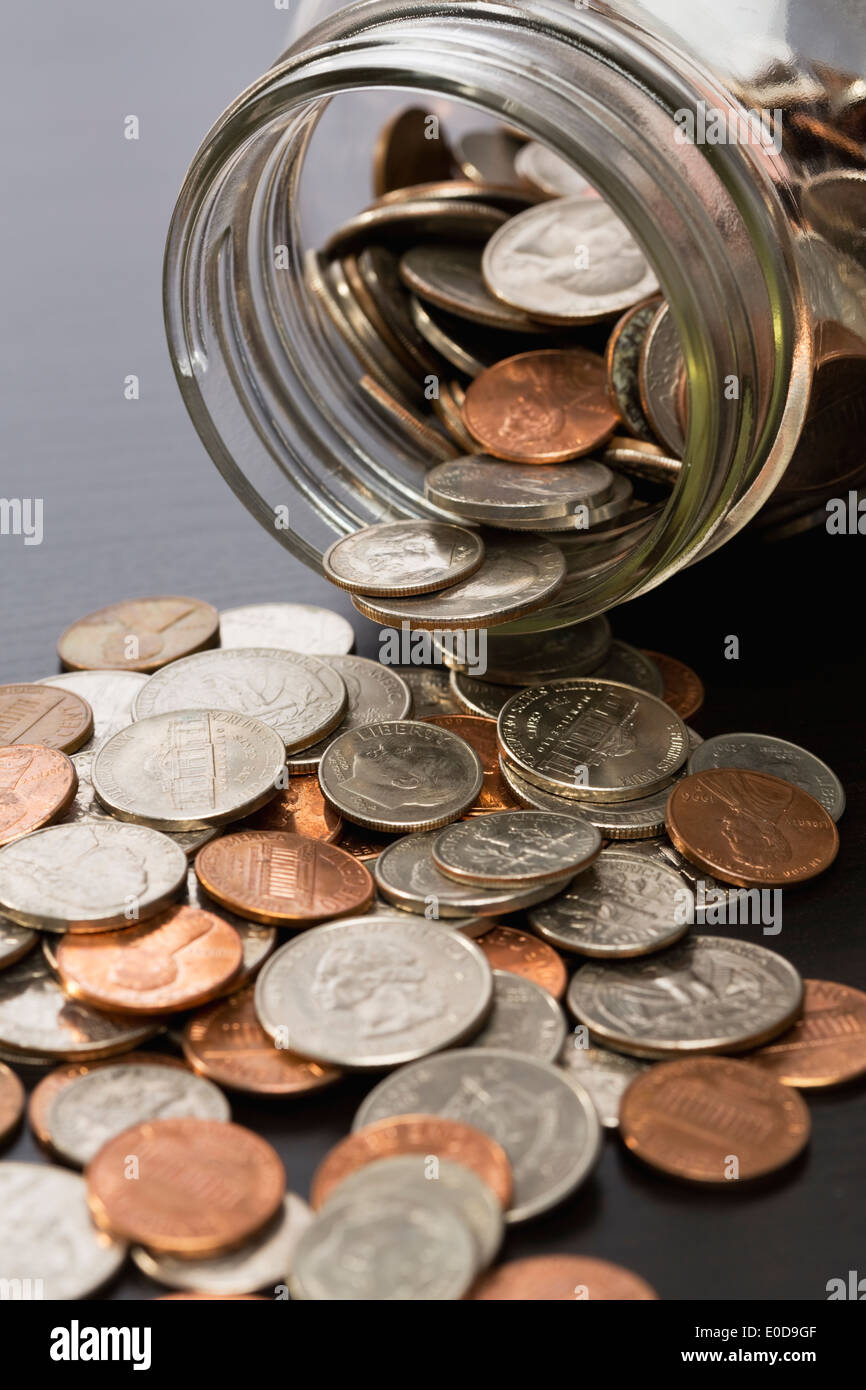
(408, 152)
(561, 1279)
(828, 1044)
(227, 1044)
(174, 961)
(301, 809)
(710, 1119)
(211, 1298)
(414, 1134)
(140, 634)
(541, 407)
(750, 829)
(684, 690)
(44, 714)
(521, 954)
(37, 784)
(201, 1187)
(42, 1096)
(11, 1102)
(362, 844)
(272, 876)
(480, 734)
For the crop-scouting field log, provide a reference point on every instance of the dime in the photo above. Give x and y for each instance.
(400, 558)
(750, 829)
(828, 1044)
(514, 578)
(32, 714)
(526, 956)
(293, 627)
(621, 358)
(625, 905)
(183, 958)
(707, 994)
(516, 849)
(777, 757)
(37, 784)
(39, 1019)
(275, 877)
(89, 877)
(691, 1118)
(409, 219)
(449, 407)
(414, 1134)
(263, 1262)
(110, 694)
(406, 154)
(592, 740)
(641, 459)
(227, 1043)
(139, 634)
(203, 1187)
(189, 770)
(550, 173)
(449, 276)
(375, 692)
(301, 697)
(630, 666)
(561, 1279)
(299, 809)
(15, 942)
(482, 698)
(524, 1019)
(400, 776)
(431, 690)
(661, 377)
(488, 156)
(683, 690)
(546, 1124)
(480, 734)
(606, 1075)
(47, 1239)
(541, 407)
(487, 489)
(374, 992)
(406, 875)
(583, 523)
(524, 661)
(532, 265)
(12, 1103)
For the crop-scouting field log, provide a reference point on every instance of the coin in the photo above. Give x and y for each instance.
(524, 1019)
(408, 418)
(263, 1262)
(227, 1043)
(507, 197)
(37, 784)
(110, 694)
(299, 696)
(448, 274)
(293, 627)
(406, 875)
(488, 156)
(561, 1279)
(707, 994)
(410, 150)
(299, 808)
(683, 690)
(695, 1118)
(375, 694)
(480, 734)
(87, 808)
(527, 1106)
(630, 666)
(400, 558)
(778, 758)
(750, 828)
(625, 905)
(524, 956)
(592, 740)
(541, 407)
(481, 698)
(431, 691)
(536, 660)
(550, 173)
(15, 942)
(568, 261)
(641, 459)
(89, 877)
(38, 1018)
(374, 992)
(365, 845)
(203, 1187)
(462, 346)
(414, 1134)
(401, 776)
(49, 1247)
(603, 1073)
(379, 272)
(514, 578)
(482, 488)
(38, 714)
(11, 1103)
(625, 820)
(621, 358)
(827, 1046)
(139, 634)
(409, 219)
(275, 877)
(661, 377)
(582, 522)
(516, 849)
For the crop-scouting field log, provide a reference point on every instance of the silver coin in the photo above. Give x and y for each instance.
(523, 661)
(474, 926)
(406, 874)
(707, 994)
(583, 520)
(431, 690)
(488, 156)
(110, 694)
(661, 850)
(448, 274)
(623, 356)
(482, 488)
(299, 696)
(417, 218)
(89, 877)
(630, 666)
(261, 1263)
(399, 558)
(49, 1246)
(292, 627)
(625, 905)
(257, 941)
(86, 807)
(660, 375)
(401, 776)
(101, 1103)
(440, 331)
(376, 694)
(189, 770)
(537, 799)
(546, 1124)
(761, 753)
(567, 261)
(592, 740)
(37, 1017)
(525, 1019)
(516, 849)
(15, 942)
(479, 697)
(374, 992)
(625, 820)
(550, 173)
(515, 578)
(606, 1075)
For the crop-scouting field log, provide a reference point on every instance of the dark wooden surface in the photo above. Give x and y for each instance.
(134, 506)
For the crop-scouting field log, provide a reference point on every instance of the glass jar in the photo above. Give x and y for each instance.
(757, 241)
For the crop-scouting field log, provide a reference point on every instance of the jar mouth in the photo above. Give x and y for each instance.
(275, 397)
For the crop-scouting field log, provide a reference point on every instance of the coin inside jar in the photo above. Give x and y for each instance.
(139, 634)
(406, 155)
(482, 488)
(516, 848)
(278, 878)
(449, 275)
(38, 784)
(400, 558)
(42, 714)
